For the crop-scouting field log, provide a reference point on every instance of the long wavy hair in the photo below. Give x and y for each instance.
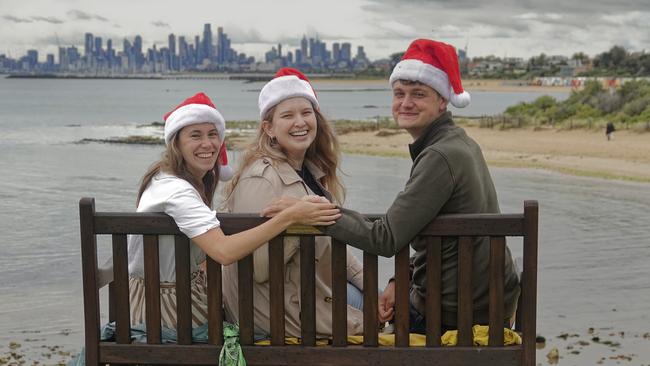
(323, 152)
(172, 162)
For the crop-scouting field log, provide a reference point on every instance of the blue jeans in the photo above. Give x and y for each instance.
(417, 322)
(355, 297)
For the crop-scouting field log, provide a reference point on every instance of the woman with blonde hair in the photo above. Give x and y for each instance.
(182, 185)
(295, 154)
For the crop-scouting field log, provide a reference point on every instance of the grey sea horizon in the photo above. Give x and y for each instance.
(593, 233)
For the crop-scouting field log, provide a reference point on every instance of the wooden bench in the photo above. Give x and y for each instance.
(496, 226)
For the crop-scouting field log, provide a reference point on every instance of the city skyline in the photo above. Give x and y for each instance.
(505, 28)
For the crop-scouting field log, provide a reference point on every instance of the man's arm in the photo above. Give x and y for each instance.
(427, 190)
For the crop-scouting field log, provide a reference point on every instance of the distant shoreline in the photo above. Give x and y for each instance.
(472, 85)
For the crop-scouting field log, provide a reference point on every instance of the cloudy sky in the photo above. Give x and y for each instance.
(520, 28)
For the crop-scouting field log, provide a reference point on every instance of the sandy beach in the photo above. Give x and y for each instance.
(576, 152)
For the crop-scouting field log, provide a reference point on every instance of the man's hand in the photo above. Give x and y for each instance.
(387, 303)
(281, 203)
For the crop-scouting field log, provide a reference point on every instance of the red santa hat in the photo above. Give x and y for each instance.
(287, 83)
(199, 109)
(434, 64)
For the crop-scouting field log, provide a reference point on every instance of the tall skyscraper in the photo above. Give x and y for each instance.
(221, 46)
(172, 59)
(198, 53)
(171, 43)
(336, 52)
(183, 53)
(137, 52)
(346, 52)
(207, 42)
(63, 59)
(299, 59)
(98, 47)
(361, 54)
(303, 48)
(88, 44)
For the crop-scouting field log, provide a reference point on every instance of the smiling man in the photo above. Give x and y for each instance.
(449, 175)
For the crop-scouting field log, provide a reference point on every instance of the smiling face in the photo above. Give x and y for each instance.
(293, 124)
(199, 144)
(415, 106)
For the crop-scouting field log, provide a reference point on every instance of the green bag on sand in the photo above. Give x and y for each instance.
(231, 353)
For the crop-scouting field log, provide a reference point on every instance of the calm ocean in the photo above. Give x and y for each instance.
(594, 236)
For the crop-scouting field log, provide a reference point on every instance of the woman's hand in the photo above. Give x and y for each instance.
(285, 202)
(387, 303)
(307, 212)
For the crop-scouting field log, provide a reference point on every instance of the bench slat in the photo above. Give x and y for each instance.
(183, 291)
(152, 288)
(199, 354)
(339, 294)
(121, 289)
(433, 275)
(370, 300)
(245, 284)
(215, 297)
(402, 298)
(475, 225)
(111, 302)
(443, 225)
(308, 291)
(276, 290)
(89, 270)
(497, 270)
(529, 282)
(465, 301)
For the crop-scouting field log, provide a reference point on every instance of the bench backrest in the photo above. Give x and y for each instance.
(150, 225)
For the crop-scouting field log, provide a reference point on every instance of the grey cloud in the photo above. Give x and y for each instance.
(14, 19)
(52, 20)
(239, 35)
(160, 24)
(81, 15)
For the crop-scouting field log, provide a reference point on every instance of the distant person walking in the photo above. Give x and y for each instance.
(609, 131)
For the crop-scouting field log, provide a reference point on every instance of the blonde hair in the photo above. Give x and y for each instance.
(323, 152)
(172, 162)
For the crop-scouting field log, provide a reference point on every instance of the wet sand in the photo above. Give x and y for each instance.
(576, 152)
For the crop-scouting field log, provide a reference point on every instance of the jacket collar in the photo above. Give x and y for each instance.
(289, 176)
(440, 123)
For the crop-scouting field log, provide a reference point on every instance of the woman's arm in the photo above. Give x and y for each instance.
(227, 249)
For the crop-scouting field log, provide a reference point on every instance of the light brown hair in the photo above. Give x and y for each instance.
(323, 152)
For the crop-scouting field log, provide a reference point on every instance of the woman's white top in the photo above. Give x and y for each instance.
(179, 199)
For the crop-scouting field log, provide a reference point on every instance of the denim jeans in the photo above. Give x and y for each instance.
(355, 297)
(417, 322)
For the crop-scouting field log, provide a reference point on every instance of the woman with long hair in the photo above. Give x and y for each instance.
(294, 154)
(182, 184)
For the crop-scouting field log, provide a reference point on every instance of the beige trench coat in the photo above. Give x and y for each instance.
(259, 184)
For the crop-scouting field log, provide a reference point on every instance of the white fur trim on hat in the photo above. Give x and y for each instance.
(192, 114)
(416, 70)
(284, 87)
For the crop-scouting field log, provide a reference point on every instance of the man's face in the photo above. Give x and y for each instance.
(415, 106)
